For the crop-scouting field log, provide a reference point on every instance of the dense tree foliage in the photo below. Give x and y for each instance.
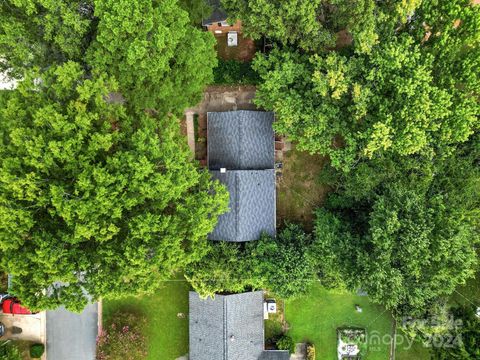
(94, 197)
(404, 230)
(407, 96)
(467, 336)
(313, 24)
(158, 58)
(197, 10)
(282, 265)
(42, 32)
(346, 108)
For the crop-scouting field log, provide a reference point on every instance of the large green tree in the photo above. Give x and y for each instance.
(409, 95)
(313, 25)
(94, 197)
(283, 265)
(42, 32)
(404, 230)
(361, 106)
(159, 59)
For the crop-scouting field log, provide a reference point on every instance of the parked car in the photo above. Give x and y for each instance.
(12, 306)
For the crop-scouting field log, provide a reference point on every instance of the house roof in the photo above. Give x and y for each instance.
(228, 327)
(240, 140)
(217, 15)
(275, 355)
(252, 205)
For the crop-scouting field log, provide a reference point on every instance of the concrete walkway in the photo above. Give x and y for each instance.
(33, 326)
(72, 336)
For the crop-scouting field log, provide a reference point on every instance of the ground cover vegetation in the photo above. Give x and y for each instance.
(98, 193)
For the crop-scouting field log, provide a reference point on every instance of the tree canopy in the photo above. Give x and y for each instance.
(313, 25)
(159, 59)
(282, 265)
(94, 197)
(409, 95)
(404, 230)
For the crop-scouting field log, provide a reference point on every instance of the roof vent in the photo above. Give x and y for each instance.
(223, 170)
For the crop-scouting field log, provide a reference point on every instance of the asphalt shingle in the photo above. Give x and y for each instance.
(228, 327)
(252, 205)
(240, 140)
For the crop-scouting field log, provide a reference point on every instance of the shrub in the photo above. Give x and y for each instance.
(123, 338)
(234, 72)
(37, 350)
(9, 352)
(286, 343)
(310, 352)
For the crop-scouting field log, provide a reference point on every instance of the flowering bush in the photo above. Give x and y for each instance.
(123, 338)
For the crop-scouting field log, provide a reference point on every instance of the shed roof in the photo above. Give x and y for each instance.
(228, 327)
(252, 205)
(240, 140)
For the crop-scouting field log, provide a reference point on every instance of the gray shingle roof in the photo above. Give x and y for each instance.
(252, 205)
(228, 327)
(275, 355)
(240, 140)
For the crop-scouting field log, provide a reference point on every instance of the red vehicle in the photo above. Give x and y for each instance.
(12, 306)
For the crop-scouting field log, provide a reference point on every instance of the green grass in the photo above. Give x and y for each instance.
(167, 334)
(316, 316)
(409, 351)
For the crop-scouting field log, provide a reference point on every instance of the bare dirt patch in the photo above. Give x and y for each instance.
(299, 191)
(245, 51)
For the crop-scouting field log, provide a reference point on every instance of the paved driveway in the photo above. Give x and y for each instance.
(33, 326)
(72, 336)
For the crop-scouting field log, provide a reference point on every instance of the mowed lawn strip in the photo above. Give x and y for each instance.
(316, 316)
(167, 334)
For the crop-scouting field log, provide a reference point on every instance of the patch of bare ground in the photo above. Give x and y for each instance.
(299, 191)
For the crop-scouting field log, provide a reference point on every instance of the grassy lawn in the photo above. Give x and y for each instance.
(316, 316)
(406, 351)
(167, 334)
(298, 192)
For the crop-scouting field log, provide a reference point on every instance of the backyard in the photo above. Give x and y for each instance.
(316, 316)
(298, 190)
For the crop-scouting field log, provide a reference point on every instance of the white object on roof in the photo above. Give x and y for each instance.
(232, 38)
(223, 170)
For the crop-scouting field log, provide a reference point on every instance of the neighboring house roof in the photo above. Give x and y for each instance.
(252, 205)
(72, 336)
(228, 327)
(275, 355)
(217, 15)
(240, 140)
